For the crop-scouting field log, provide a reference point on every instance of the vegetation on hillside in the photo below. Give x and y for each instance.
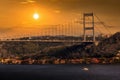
(36, 50)
(109, 47)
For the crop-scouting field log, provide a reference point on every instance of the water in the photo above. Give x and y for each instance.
(59, 72)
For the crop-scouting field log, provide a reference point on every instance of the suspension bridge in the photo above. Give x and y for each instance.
(79, 30)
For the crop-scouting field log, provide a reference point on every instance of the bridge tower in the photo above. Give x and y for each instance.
(88, 25)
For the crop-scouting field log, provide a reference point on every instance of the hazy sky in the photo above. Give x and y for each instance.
(18, 13)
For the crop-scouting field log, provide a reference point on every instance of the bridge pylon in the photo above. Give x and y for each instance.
(88, 25)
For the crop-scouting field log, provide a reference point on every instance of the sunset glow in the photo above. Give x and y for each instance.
(22, 16)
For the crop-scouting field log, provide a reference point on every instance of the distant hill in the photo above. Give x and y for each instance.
(106, 48)
(109, 47)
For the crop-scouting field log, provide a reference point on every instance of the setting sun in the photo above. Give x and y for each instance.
(36, 16)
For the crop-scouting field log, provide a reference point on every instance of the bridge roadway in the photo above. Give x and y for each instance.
(58, 41)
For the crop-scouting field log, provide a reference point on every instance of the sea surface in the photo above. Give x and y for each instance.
(60, 72)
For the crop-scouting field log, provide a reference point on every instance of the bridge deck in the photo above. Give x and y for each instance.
(75, 41)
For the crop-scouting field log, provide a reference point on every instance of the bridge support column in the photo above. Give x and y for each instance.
(88, 24)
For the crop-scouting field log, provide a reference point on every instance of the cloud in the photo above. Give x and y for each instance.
(6, 29)
(57, 11)
(28, 1)
(31, 1)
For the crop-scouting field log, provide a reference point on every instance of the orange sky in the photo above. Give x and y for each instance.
(16, 15)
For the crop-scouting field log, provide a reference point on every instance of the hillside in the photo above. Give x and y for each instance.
(106, 48)
(109, 46)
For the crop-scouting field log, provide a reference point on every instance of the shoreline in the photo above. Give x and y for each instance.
(30, 61)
